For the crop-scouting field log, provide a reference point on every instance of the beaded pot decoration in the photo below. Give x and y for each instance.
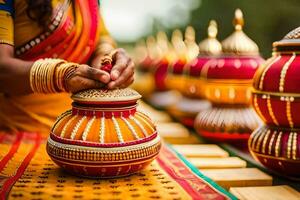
(103, 135)
(276, 100)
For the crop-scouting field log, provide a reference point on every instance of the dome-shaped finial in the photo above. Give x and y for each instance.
(212, 30)
(211, 46)
(238, 42)
(238, 20)
(153, 51)
(176, 37)
(190, 34)
(190, 42)
(178, 43)
(162, 41)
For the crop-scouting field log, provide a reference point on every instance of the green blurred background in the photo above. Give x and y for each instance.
(265, 20)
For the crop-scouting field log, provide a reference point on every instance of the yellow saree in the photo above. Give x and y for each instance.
(72, 34)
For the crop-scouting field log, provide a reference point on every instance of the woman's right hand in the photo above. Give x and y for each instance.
(85, 77)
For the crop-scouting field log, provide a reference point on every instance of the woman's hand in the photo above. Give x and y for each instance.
(122, 73)
(86, 77)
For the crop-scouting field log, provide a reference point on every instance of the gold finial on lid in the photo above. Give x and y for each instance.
(212, 29)
(140, 51)
(238, 42)
(238, 20)
(162, 41)
(176, 36)
(153, 51)
(178, 43)
(190, 42)
(211, 46)
(165, 47)
(190, 34)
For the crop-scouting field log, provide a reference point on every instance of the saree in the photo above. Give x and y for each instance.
(72, 34)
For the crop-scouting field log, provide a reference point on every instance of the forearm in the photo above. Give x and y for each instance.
(14, 76)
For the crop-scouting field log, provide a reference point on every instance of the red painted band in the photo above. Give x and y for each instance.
(102, 164)
(103, 113)
(107, 145)
(225, 135)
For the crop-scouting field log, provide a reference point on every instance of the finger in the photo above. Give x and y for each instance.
(126, 74)
(121, 60)
(127, 83)
(78, 83)
(93, 73)
(96, 62)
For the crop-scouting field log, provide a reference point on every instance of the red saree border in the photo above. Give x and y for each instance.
(20, 171)
(58, 42)
(13, 149)
(187, 179)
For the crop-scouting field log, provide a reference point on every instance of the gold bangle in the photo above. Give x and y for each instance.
(44, 77)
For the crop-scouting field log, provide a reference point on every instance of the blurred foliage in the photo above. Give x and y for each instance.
(265, 20)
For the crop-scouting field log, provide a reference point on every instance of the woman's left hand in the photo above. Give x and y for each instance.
(122, 73)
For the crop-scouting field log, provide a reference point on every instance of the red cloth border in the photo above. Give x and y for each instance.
(186, 176)
(11, 180)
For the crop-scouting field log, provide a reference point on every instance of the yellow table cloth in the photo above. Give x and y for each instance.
(27, 172)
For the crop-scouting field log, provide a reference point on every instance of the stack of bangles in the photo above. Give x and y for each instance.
(49, 75)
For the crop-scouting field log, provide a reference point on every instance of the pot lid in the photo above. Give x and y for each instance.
(190, 42)
(290, 42)
(102, 95)
(238, 43)
(210, 46)
(98, 96)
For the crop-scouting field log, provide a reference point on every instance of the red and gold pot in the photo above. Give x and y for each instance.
(277, 148)
(175, 77)
(193, 101)
(146, 56)
(209, 49)
(229, 78)
(163, 97)
(276, 99)
(103, 135)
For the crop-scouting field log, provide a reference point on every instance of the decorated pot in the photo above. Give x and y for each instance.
(227, 124)
(209, 48)
(146, 56)
(186, 51)
(186, 110)
(276, 99)
(163, 97)
(229, 78)
(167, 57)
(103, 135)
(277, 148)
(175, 79)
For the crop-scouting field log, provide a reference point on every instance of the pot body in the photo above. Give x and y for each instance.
(103, 135)
(276, 148)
